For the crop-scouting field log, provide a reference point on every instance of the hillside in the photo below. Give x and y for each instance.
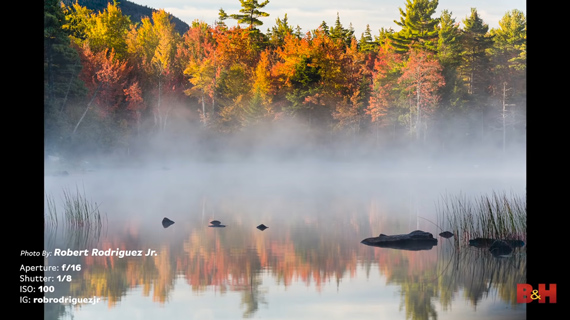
(135, 11)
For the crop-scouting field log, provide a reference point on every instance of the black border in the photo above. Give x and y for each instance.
(25, 141)
(546, 132)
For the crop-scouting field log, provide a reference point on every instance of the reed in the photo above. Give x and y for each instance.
(81, 221)
(495, 216)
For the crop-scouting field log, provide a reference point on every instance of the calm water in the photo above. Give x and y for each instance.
(309, 263)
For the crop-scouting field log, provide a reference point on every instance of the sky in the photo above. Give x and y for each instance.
(308, 14)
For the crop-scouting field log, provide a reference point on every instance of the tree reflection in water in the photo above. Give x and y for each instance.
(317, 248)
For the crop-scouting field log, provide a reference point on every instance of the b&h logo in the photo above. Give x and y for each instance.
(526, 294)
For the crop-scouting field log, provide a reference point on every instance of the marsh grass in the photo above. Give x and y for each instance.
(80, 221)
(495, 216)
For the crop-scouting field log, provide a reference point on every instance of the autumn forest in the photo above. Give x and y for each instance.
(440, 83)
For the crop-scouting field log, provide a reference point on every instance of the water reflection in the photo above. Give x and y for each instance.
(313, 243)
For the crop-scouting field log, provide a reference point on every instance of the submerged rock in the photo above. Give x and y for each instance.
(415, 241)
(262, 227)
(167, 222)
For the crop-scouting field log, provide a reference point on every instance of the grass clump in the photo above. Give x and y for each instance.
(80, 220)
(495, 216)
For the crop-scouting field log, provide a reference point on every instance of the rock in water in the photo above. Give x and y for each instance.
(446, 234)
(415, 240)
(262, 227)
(167, 222)
(216, 224)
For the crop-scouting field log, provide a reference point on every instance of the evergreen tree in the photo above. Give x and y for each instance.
(249, 13)
(475, 67)
(508, 63)
(367, 43)
(278, 32)
(325, 28)
(419, 29)
(449, 42)
(510, 41)
(475, 70)
(449, 54)
(341, 33)
(222, 16)
(384, 36)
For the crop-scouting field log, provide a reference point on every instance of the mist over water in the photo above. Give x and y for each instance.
(319, 197)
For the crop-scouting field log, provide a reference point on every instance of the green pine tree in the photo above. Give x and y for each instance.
(419, 29)
(475, 67)
(278, 32)
(449, 48)
(367, 43)
(341, 33)
(249, 13)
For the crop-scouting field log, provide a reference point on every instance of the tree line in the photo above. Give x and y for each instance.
(111, 83)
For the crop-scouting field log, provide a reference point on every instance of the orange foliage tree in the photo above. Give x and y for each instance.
(197, 57)
(421, 79)
(237, 54)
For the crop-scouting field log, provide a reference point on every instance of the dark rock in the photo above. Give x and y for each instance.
(262, 227)
(216, 224)
(167, 222)
(446, 234)
(415, 240)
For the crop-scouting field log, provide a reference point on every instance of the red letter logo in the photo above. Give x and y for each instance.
(523, 293)
(550, 293)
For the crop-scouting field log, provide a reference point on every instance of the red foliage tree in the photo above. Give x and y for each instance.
(385, 70)
(105, 77)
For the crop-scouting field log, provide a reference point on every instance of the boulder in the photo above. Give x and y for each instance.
(415, 241)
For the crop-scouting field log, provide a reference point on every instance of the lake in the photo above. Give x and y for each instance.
(309, 262)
